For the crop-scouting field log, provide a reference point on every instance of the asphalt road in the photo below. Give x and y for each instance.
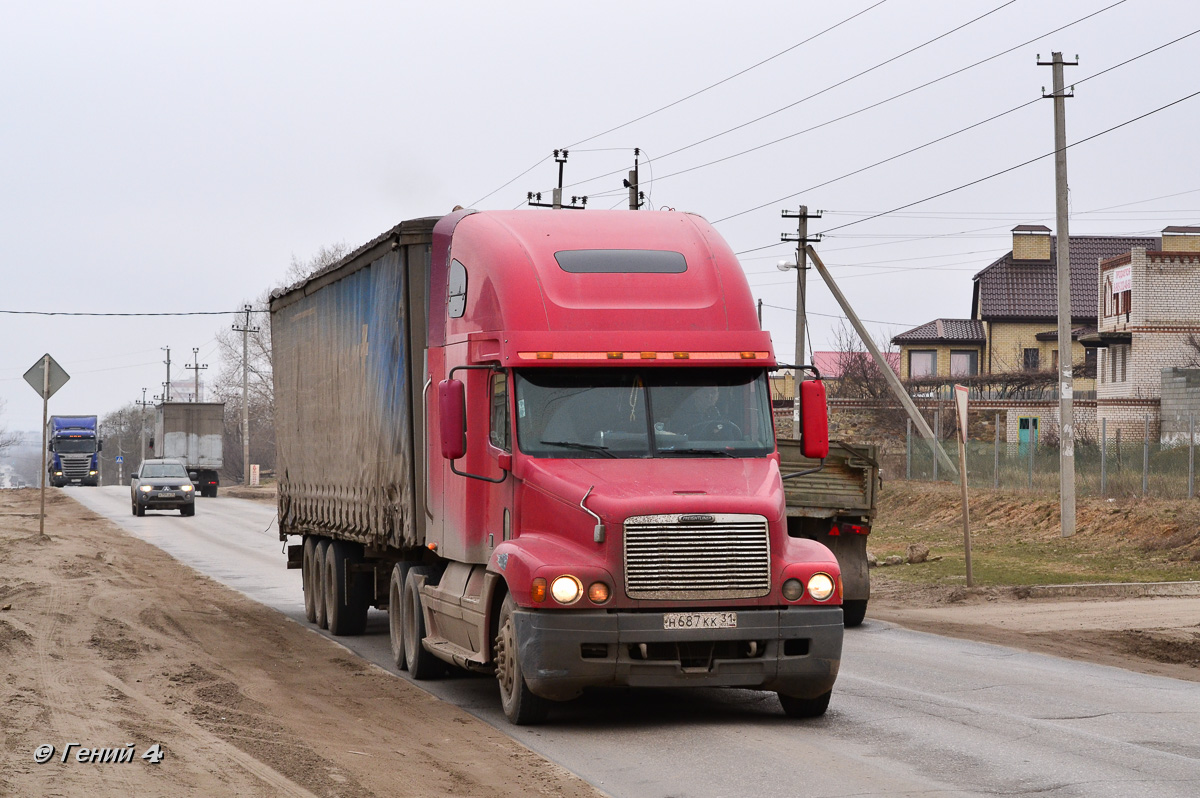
(912, 713)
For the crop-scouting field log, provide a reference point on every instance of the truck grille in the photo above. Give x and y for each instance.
(675, 557)
(75, 466)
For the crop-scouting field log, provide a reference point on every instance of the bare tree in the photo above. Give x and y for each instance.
(7, 439)
(860, 375)
(121, 431)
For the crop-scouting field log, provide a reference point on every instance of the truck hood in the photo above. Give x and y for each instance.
(622, 488)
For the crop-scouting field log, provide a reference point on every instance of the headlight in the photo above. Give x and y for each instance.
(58, 473)
(91, 473)
(820, 586)
(598, 592)
(186, 488)
(566, 589)
(144, 488)
(793, 589)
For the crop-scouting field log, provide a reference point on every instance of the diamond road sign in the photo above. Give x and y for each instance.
(37, 376)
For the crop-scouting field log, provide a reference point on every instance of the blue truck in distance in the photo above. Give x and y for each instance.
(74, 445)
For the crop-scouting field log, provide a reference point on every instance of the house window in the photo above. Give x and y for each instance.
(964, 363)
(1089, 363)
(922, 363)
(1054, 360)
(1031, 360)
(1118, 358)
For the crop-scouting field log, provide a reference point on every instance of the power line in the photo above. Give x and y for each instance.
(66, 313)
(835, 316)
(726, 80)
(1018, 166)
(879, 103)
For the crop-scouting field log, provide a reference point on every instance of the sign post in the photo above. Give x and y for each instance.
(960, 405)
(45, 377)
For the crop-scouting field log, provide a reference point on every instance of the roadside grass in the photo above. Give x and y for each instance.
(1016, 538)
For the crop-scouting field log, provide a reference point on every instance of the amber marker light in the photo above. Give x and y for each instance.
(598, 592)
(537, 590)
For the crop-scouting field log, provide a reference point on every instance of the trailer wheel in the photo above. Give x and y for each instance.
(521, 706)
(318, 573)
(853, 612)
(308, 579)
(396, 614)
(346, 598)
(421, 664)
(805, 707)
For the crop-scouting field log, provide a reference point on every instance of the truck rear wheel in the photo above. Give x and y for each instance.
(853, 612)
(396, 614)
(318, 573)
(805, 707)
(307, 578)
(421, 664)
(346, 599)
(520, 706)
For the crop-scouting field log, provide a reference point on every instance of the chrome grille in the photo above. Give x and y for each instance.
(75, 466)
(669, 559)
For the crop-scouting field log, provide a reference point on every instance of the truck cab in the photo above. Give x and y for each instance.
(608, 466)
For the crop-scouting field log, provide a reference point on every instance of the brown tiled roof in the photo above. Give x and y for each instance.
(944, 330)
(1177, 229)
(1026, 289)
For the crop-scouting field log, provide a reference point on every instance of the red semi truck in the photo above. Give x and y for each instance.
(543, 442)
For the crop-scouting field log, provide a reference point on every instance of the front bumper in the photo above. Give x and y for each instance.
(154, 500)
(794, 651)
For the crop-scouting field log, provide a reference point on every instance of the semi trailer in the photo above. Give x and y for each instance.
(542, 442)
(194, 434)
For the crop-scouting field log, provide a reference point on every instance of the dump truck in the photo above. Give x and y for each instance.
(74, 451)
(542, 442)
(835, 505)
(194, 434)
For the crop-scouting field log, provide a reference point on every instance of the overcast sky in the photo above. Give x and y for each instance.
(162, 159)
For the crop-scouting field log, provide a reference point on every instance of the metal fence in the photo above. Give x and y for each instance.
(1113, 466)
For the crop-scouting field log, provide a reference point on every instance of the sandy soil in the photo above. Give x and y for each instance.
(105, 641)
(1152, 635)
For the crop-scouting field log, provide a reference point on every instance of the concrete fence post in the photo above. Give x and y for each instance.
(1146, 455)
(1104, 457)
(996, 458)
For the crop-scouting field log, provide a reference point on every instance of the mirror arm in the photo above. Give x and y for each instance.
(494, 480)
(793, 475)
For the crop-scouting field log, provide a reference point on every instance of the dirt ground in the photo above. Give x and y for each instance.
(105, 641)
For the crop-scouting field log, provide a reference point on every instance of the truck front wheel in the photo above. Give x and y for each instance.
(521, 706)
(805, 707)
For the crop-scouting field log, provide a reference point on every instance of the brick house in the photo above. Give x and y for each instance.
(942, 348)
(1148, 307)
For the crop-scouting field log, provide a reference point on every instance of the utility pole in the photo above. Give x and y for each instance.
(143, 404)
(1066, 410)
(556, 202)
(245, 330)
(167, 389)
(196, 368)
(802, 240)
(631, 183)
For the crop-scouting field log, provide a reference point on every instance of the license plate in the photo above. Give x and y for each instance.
(166, 494)
(700, 620)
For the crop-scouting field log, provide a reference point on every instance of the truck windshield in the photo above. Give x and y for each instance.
(75, 445)
(667, 412)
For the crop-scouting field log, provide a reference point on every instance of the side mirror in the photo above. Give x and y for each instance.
(814, 420)
(193, 475)
(99, 446)
(133, 475)
(452, 407)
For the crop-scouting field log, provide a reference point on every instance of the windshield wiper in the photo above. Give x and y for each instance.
(722, 452)
(589, 447)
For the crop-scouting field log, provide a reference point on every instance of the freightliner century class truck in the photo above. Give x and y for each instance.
(543, 442)
(74, 457)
